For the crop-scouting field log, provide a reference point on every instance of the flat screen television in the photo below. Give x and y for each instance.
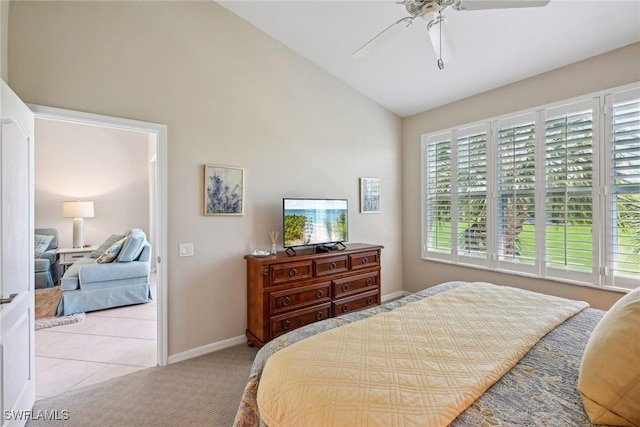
(314, 222)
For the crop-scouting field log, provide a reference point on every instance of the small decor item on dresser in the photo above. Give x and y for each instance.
(223, 190)
(259, 253)
(369, 195)
(274, 238)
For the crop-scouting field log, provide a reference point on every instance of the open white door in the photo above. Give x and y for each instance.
(17, 382)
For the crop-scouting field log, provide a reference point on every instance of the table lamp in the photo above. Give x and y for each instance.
(78, 211)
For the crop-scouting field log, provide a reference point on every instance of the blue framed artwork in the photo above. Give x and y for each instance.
(223, 190)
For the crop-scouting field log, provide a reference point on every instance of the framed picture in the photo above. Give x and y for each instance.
(369, 195)
(223, 190)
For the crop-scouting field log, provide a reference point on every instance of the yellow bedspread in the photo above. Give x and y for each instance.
(419, 365)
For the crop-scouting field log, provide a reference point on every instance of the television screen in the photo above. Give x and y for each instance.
(314, 221)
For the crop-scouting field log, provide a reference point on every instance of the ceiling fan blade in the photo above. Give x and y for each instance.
(383, 36)
(497, 4)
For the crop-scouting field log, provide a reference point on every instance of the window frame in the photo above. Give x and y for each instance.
(601, 192)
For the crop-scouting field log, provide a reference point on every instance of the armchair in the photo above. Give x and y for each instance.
(90, 285)
(47, 265)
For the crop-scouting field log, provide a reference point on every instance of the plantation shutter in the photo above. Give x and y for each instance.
(516, 180)
(471, 207)
(569, 208)
(623, 231)
(437, 170)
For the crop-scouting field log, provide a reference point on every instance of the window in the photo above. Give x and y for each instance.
(516, 230)
(623, 177)
(569, 191)
(455, 183)
(552, 193)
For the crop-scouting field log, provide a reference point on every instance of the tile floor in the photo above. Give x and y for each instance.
(105, 345)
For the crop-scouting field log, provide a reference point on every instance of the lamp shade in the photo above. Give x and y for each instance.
(77, 209)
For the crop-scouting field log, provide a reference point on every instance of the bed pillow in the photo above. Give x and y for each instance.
(106, 245)
(42, 242)
(110, 254)
(609, 380)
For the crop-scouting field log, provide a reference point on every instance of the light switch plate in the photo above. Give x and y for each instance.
(186, 249)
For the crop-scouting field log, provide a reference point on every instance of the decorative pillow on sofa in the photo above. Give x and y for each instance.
(110, 254)
(42, 242)
(106, 245)
(609, 380)
(133, 244)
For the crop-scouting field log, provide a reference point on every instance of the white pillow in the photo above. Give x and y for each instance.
(609, 381)
(110, 254)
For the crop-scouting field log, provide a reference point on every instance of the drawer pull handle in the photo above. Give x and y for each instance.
(319, 294)
(365, 260)
(345, 287)
(286, 324)
(332, 266)
(286, 301)
(319, 315)
(345, 308)
(370, 300)
(293, 272)
(368, 282)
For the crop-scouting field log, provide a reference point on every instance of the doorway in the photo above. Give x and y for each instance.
(157, 187)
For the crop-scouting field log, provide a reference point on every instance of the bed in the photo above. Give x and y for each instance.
(538, 389)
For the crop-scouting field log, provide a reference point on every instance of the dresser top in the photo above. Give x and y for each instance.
(304, 253)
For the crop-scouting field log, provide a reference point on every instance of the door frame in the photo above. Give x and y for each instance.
(160, 130)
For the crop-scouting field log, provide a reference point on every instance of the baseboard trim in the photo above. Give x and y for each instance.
(205, 349)
(395, 295)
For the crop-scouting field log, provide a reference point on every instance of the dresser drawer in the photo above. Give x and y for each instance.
(331, 266)
(354, 284)
(291, 272)
(355, 303)
(364, 260)
(295, 298)
(295, 319)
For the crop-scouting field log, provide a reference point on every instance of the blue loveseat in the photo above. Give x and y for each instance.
(90, 285)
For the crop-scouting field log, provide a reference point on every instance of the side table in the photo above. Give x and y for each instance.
(70, 255)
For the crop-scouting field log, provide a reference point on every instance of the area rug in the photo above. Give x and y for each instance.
(45, 309)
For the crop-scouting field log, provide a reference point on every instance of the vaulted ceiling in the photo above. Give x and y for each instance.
(492, 47)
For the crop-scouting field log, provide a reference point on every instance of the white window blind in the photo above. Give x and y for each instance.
(551, 193)
(437, 183)
(569, 142)
(516, 181)
(472, 183)
(623, 233)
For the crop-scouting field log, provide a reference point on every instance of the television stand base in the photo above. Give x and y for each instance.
(327, 248)
(290, 251)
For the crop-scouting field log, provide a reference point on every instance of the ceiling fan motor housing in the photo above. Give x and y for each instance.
(422, 7)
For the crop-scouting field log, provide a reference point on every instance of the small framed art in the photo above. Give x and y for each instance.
(369, 195)
(223, 190)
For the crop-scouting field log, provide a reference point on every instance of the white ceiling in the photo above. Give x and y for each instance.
(492, 47)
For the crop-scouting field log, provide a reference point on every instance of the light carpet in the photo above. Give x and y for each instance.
(46, 301)
(204, 391)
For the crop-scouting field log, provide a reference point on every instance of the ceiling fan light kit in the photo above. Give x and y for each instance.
(431, 12)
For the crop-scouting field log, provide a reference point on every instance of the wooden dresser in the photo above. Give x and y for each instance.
(287, 292)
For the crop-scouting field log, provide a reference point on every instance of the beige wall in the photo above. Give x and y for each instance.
(615, 68)
(4, 39)
(81, 162)
(229, 95)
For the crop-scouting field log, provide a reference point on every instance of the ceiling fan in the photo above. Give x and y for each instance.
(431, 12)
